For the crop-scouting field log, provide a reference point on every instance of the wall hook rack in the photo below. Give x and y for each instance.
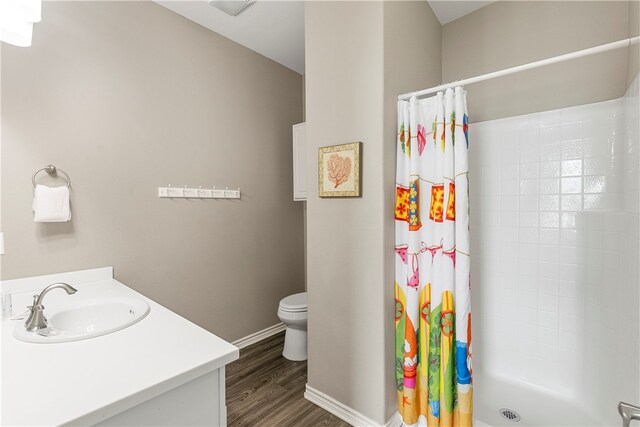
(197, 193)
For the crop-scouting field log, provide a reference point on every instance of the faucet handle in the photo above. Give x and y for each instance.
(34, 305)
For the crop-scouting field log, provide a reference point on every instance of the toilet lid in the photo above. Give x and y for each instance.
(295, 302)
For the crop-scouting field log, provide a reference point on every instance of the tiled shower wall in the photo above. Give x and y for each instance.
(631, 149)
(554, 228)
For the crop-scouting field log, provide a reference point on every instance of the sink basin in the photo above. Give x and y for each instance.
(88, 319)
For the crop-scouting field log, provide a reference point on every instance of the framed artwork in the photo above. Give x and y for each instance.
(339, 170)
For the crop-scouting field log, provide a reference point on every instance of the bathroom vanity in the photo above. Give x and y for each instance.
(161, 370)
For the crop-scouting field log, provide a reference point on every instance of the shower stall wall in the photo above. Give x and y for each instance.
(555, 235)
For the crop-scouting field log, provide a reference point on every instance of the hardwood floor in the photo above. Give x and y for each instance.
(265, 389)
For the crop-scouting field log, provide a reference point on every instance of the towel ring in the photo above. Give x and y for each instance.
(51, 170)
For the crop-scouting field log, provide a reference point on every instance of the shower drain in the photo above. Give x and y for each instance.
(509, 415)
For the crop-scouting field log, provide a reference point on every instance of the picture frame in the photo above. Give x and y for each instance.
(339, 170)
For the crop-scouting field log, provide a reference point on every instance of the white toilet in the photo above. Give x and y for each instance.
(292, 311)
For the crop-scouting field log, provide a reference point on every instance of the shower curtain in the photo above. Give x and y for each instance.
(433, 309)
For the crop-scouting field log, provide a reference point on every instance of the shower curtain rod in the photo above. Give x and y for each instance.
(561, 58)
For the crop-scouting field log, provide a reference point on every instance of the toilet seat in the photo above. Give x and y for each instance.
(296, 303)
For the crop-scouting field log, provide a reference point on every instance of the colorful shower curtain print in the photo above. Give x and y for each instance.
(432, 289)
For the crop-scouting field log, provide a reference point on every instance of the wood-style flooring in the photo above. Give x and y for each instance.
(265, 389)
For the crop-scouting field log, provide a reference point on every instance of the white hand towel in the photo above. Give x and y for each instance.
(51, 204)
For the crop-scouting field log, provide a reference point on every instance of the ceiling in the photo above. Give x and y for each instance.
(450, 10)
(275, 29)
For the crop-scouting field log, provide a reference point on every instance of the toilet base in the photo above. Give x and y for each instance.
(295, 344)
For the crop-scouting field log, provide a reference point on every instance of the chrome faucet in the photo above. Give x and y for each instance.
(36, 319)
(628, 412)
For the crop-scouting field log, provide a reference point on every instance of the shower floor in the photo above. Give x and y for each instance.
(536, 406)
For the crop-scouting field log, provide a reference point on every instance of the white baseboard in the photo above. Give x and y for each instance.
(344, 412)
(259, 336)
(395, 420)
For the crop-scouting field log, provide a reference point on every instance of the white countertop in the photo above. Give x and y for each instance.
(85, 382)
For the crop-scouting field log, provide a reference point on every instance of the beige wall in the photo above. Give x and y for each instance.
(304, 204)
(344, 80)
(126, 97)
(350, 96)
(633, 66)
(510, 33)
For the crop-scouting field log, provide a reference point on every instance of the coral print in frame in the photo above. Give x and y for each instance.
(339, 170)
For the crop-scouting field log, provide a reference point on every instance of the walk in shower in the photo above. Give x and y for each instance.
(555, 236)
(554, 231)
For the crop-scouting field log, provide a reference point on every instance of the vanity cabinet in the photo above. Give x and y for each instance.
(160, 371)
(199, 402)
(300, 162)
